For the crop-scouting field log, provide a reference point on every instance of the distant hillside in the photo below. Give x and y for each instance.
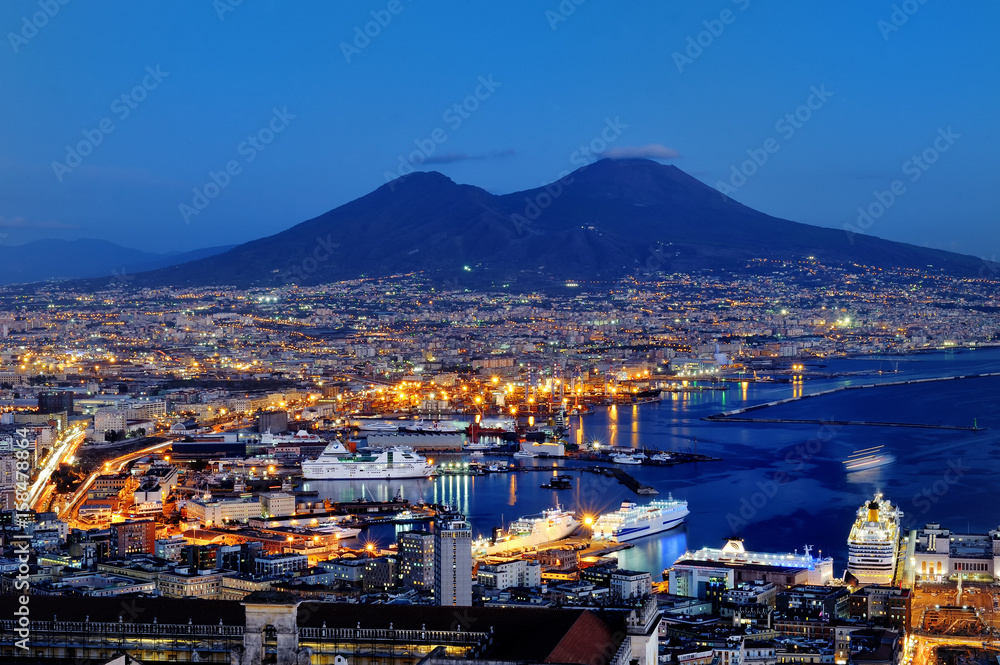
(43, 260)
(605, 220)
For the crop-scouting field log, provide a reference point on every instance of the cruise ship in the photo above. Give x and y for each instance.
(301, 437)
(397, 462)
(635, 521)
(874, 542)
(530, 531)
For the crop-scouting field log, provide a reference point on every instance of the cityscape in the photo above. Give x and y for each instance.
(547, 389)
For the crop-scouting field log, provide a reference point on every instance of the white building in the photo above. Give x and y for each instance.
(453, 563)
(210, 512)
(505, 574)
(276, 504)
(630, 585)
(109, 420)
(940, 554)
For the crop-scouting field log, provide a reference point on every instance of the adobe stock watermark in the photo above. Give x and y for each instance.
(786, 126)
(30, 25)
(321, 253)
(796, 458)
(899, 17)
(585, 155)
(454, 116)
(249, 148)
(915, 167)
(122, 107)
(927, 496)
(714, 28)
(223, 7)
(363, 36)
(22, 540)
(562, 12)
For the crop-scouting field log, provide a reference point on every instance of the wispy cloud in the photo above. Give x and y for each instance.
(650, 151)
(451, 157)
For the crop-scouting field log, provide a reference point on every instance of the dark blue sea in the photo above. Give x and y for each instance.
(779, 486)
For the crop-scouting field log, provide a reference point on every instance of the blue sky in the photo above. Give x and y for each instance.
(305, 123)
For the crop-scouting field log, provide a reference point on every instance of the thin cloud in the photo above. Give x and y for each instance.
(651, 151)
(451, 157)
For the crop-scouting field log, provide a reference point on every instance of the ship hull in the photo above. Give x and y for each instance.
(640, 528)
(533, 540)
(363, 470)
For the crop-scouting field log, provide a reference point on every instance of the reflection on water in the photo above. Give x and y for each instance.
(817, 503)
(654, 553)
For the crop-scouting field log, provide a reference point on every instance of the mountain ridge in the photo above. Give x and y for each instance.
(603, 221)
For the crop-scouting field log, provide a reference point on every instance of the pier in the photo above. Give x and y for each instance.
(736, 415)
(818, 421)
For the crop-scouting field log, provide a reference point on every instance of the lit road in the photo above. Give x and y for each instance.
(64, 447)
(111, 466)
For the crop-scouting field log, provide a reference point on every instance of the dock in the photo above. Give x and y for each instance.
(737, 415)
(861, 423)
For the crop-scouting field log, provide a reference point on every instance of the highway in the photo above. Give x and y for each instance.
(111, 466)
(64, 447)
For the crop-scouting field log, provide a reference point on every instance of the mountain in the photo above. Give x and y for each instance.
(605, 220)
(43, 260)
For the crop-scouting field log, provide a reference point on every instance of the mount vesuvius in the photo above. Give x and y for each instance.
(605, 220)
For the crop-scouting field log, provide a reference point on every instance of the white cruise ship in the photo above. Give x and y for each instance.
(301, 437)
(635, 521)
(397, 462)
(874, 542)
(530, 531)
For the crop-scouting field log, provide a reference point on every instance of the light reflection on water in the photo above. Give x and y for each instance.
(816, 506)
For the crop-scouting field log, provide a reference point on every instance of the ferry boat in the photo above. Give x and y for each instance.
(869, 458)
(530, 531)
(635, 521)
(396, 462)
(661, 457)
(627, 459)
(873, 543)
(525, 454)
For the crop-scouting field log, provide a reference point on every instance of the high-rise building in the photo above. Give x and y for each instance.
(453, 562)
(56, 402)
(416, 560)
(135, 537)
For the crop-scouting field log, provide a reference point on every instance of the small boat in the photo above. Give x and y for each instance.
(869, 458)
(626, 459)
(661, 457)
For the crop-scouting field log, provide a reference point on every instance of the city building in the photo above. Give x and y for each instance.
(220, 511)
(940, 554)
(416, 560)
(278, 565)
(709, 571)
(56, 402)
(628, 585)
(134, 537)
(276, 504)
(453, 562)
(513, 572)
(807, 600)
